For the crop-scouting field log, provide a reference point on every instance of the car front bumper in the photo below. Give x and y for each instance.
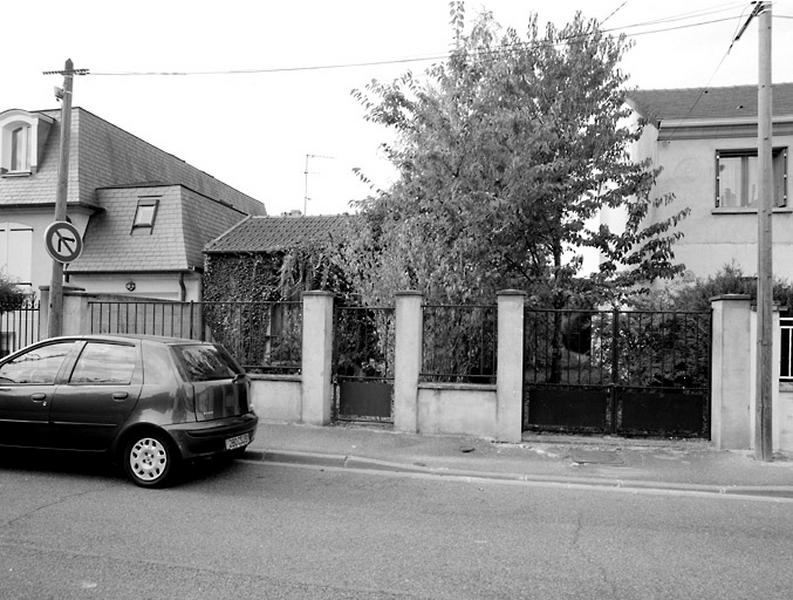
(205, 438)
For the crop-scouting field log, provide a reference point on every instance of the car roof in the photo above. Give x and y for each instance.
(126, 337)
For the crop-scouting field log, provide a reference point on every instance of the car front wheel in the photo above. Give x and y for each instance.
(149, 460)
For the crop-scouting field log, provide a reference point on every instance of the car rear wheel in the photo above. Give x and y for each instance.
(149, 460)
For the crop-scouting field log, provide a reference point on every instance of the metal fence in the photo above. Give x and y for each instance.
(786, 362)
(264, 337)
(622, 372)
(459, 343)
(629, 348)
(19, 327)
(364, 339)
(363, 362)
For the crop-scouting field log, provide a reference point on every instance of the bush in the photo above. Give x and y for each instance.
(695, 295)
(11, 298)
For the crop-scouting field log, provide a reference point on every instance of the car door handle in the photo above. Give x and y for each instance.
(39, 398)
(119, 396)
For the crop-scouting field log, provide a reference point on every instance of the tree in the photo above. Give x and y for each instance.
(505, 153)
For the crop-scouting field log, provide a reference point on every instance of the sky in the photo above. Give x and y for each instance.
(254, 130)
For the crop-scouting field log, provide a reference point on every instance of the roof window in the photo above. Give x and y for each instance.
(146, 213)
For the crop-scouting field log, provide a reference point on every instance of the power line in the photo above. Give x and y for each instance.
(271, 70)
(739, 29)
(614, 12)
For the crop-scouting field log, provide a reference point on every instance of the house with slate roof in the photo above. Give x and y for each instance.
(144, 214)
(706, 143)
(251, 260)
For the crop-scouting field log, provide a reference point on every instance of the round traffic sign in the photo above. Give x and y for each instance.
(63, 241)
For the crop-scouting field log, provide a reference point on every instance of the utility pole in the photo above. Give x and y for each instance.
(55, 319)
(763, 448)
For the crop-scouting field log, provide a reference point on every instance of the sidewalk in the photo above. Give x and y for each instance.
(685, 465)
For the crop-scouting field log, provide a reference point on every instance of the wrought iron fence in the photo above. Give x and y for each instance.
(363, 363)
(19, 327)
(264, 337)
(364, 340)
(786, 348)
(627, 348)
(459, 343)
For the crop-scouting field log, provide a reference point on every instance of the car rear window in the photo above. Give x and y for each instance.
(204, 363)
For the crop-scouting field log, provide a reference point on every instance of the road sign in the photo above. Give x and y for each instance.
(63, 241)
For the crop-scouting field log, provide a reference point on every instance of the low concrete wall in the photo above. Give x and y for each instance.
(277, 397)
(457, 408)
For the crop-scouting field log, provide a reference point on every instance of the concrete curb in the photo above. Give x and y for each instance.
(340, 461)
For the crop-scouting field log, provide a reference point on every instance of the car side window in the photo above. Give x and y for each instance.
(156, 365)
(37, 366)
(105, 363)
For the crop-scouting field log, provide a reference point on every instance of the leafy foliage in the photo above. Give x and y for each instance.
(273, 276)
(695, 295)
(11, 298)
(506, 153)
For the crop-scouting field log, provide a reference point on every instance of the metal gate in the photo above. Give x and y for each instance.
(363, 363)
(619, 372)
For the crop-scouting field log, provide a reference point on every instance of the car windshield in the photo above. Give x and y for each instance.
(204, 363)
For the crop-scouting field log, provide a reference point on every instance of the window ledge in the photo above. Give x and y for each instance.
(27, 173)
(747, 211)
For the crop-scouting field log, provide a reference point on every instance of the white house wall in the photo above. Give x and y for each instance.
(163, 286)
(715, 237)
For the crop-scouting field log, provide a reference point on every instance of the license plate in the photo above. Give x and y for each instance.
(238, 441)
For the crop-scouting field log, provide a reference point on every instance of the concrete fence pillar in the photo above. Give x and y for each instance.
(76, 316)
(731, 373)
(407, 361)
(317, 393)
(509, 371)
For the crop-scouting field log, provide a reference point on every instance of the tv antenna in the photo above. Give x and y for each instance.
(306, 173)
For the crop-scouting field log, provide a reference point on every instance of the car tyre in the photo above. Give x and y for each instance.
(149, 460)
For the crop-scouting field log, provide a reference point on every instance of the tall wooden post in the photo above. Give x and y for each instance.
(763, 424)
(55, 320)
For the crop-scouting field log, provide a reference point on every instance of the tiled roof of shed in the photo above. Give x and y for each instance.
(270, 234)
(711, 103)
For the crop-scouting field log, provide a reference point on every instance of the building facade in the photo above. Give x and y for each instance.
(143, 213)
(705, 142)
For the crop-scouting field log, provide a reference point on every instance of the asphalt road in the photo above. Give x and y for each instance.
(258, 530)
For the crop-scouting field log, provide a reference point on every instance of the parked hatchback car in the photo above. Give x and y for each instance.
(149, 402)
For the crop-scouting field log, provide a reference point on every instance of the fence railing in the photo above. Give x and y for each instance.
(459, 344)
(786, 347)
(19, 327)
(364, 341)
(264, 337)
(628, 348)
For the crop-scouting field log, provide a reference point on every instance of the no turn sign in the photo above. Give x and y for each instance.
(63, 241)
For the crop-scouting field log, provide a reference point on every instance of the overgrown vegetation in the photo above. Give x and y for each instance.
(11, 298)
(695, 295)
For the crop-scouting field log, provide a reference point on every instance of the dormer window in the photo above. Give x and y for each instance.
(22, 138)
(19, 148)
(146, 213)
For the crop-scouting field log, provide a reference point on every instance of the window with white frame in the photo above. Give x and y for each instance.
(22, 137)
(16, 252)
(20, 157)
(737, 178)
